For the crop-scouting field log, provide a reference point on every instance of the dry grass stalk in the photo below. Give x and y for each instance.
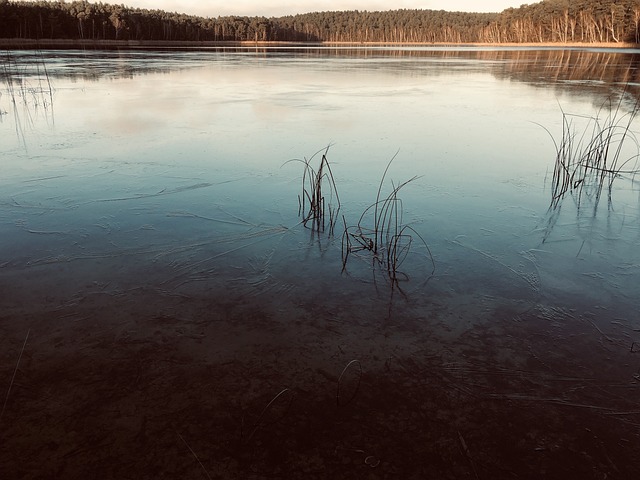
(590, 160)
(381, 231)
(318, 211)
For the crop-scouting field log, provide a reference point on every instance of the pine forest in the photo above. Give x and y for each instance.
(548, 21)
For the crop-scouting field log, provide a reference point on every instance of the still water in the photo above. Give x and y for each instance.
(163, 311)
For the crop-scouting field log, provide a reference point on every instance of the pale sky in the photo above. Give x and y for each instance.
(213, 8)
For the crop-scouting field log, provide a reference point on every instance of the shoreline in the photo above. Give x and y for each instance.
(17, 43)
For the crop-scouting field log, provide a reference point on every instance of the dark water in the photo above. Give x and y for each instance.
(164, 313)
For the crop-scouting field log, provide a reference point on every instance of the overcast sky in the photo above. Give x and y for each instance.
(213, 8)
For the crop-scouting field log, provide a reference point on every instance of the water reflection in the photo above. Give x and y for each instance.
(605, 68)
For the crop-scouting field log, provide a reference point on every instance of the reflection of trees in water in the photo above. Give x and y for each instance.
(599, 73)
(87, 65)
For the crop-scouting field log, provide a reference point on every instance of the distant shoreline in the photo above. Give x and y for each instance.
(17, 43)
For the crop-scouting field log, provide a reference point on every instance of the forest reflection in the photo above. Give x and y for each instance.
(601, 70)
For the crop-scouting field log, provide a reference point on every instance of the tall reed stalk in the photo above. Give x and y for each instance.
(319, 202)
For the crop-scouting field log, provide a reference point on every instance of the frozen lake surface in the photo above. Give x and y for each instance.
(163, 310)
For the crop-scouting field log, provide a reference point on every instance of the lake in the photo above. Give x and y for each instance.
(319, 262)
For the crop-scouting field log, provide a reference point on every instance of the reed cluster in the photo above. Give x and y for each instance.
(590, 158)
(380, 230)
(31, 87)
(382, 233)
(318, 203)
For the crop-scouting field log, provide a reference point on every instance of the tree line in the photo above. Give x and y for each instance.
(548, 21)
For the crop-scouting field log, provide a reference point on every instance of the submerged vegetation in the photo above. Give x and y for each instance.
(586, 21)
